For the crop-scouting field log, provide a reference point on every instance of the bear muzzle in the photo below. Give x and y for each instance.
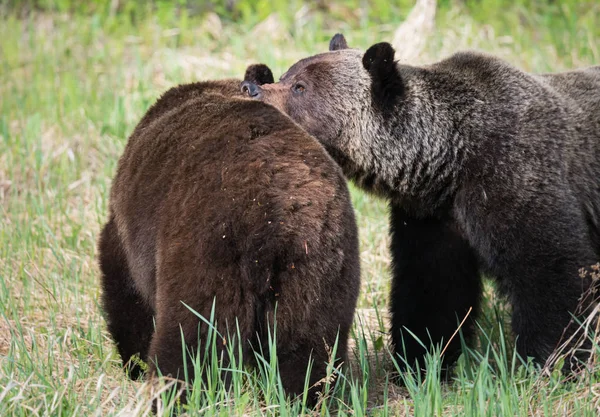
(252, 89)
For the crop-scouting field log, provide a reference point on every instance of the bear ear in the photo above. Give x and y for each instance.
(259, 74)
(387, 85)
(338, 42)
(379, 57)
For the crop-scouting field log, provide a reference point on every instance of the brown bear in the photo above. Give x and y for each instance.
(222, 199)
(487, 169)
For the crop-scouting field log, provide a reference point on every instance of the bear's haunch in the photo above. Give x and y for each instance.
(219, 198)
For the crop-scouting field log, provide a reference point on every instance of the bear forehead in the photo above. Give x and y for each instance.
(321, 62)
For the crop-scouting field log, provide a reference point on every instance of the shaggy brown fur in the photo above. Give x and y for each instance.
(224, 199)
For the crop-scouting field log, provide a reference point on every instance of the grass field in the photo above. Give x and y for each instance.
(74, 80)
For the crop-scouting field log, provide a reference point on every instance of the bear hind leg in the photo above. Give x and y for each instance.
(128, 316)
(536, 260)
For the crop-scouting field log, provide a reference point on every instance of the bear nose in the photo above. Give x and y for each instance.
(251, 89)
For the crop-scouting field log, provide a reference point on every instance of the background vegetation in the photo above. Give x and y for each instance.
(75, 77)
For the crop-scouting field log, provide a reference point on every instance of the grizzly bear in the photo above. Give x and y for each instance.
(488, 169)
(218, 198)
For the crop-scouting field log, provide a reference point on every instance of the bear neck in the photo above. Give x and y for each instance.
(415, 152)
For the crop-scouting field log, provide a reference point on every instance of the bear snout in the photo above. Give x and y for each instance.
(250, 88)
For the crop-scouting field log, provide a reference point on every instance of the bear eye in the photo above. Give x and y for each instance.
(299, 88)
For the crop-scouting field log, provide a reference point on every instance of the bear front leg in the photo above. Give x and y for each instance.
(435, 281)
(128, 316)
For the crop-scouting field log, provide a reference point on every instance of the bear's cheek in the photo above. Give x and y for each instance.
(294, 111)
(323, 126)
(316, 126)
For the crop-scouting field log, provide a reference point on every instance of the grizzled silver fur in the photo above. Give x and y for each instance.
(488, 169)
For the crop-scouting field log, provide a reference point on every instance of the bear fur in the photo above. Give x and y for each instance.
(220, 198)
(488, 169)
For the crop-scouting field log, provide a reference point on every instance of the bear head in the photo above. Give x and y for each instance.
(341, 96)
(391, 127)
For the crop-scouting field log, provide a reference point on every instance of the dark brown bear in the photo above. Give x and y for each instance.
(488, 169)
(220, 198)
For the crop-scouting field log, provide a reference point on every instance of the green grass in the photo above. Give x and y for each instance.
(75, 77)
